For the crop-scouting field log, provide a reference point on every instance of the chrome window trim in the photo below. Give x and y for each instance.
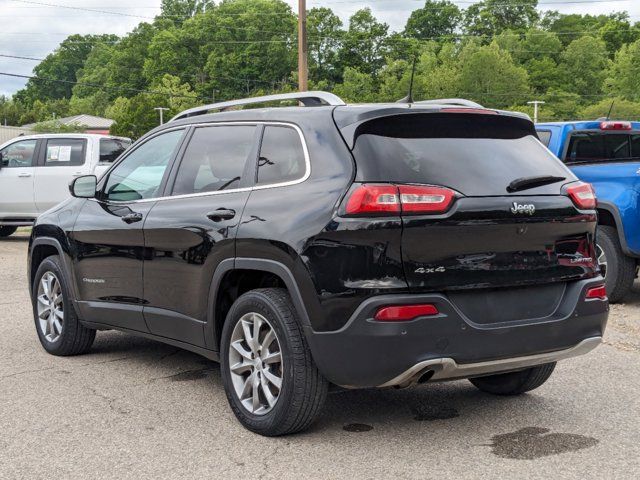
(305, 149)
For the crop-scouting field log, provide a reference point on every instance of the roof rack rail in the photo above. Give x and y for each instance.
(451, 101)
(308, 99)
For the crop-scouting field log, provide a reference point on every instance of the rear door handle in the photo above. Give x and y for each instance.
(24, 175)
(221, 214)
(132, 217)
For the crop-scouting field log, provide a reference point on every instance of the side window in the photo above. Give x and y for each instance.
(140, 174)
(215, 159)
(281, 156)
(635, 146)
(64, 152)
(545, 137)
(112, 148)
(19, 154)
(594, 147)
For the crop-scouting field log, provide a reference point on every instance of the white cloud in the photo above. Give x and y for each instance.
(35, 31)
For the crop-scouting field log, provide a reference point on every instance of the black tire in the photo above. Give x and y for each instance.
(515, 383)
(303, 389)
(621, 270)
(75, 338)
(7, 230)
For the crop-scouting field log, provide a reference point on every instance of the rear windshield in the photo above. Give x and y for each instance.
(593, 147)
(473, 154)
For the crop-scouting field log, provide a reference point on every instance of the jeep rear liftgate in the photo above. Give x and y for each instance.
(483, 203)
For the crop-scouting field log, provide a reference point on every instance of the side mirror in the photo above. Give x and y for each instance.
(84, 187)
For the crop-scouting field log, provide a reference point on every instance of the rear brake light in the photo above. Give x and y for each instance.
(371, 198)
(417, 199)
(482, 111)
(598, 292)
(374, 199)
(582, 195)
(615, 126)
(404, 313)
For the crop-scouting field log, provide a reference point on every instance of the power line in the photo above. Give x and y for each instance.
(101, 87)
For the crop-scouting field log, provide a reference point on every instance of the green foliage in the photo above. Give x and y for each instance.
(54, 126)
(356, 87)
(624, 75)
(135, 116)
(491, 17)
(436, 19)
(501, 53)
(488, 75)
(622, 109)
(364, 45)
(584, 65)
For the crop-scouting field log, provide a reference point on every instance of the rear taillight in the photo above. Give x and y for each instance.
(415, 199)
(405, 313)
(374, 199)
(418, 199)
(598, 292)
(582, 195)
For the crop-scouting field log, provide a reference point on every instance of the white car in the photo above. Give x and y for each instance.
(35, 171)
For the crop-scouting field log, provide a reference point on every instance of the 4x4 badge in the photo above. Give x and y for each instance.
(528, 209)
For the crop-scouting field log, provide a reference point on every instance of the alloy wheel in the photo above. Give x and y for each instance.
(602, 260)
(50, 307)
(255, 363)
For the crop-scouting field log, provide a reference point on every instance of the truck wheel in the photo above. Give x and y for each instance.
(59, 330)
(618, 270)
(7, 230)
(514, 383)
(272, 384)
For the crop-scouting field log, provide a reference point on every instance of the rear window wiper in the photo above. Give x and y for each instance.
(525, 183)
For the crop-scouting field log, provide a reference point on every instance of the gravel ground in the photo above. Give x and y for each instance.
(133, 408)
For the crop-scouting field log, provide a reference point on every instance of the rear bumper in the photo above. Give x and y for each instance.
(366, 353)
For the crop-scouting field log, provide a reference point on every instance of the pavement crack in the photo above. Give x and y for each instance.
(16, 374)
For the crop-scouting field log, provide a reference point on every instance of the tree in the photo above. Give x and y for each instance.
(584, 64)
(624, 75)
(356, 87)
(489, 76)
(623, 109)
(615, 33)
(436, 19)
(136, 115)
(180, 10)
(364, 45)
(57, 73)
(325, 33)
(564, 104)
(491, 17)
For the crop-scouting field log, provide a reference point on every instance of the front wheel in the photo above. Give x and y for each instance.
(7, 230)
(515, 383)
(272, 384)
(618, 270)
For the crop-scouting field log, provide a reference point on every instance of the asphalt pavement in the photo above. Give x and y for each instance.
(134, 408)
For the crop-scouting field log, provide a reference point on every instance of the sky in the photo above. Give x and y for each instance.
(33, 28)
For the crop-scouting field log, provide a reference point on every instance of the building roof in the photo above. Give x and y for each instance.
(90, 121)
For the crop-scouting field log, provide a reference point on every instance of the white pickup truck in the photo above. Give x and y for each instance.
(35, 171)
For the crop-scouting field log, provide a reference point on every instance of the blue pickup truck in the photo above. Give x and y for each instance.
(607, 155)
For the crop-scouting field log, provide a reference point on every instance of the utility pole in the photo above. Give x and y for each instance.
(161, 110)
(535, 104)
(302, 46)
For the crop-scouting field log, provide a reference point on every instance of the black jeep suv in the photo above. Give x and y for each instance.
(323, 243)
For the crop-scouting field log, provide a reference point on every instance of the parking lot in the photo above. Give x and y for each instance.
(133, 408)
